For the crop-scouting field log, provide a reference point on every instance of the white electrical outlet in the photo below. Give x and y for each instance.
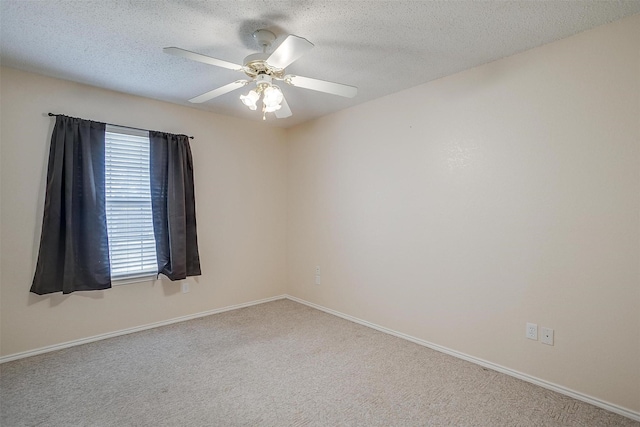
(532, 331)
(185, 287)
(317, 270)
(547, 336)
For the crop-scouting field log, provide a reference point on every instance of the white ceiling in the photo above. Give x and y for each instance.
(379, 46)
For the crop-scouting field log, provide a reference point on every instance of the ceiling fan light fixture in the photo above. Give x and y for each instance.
(262, 69)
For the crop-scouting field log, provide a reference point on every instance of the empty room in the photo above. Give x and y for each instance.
(319, 213)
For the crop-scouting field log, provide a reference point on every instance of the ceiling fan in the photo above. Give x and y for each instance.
(263, 69)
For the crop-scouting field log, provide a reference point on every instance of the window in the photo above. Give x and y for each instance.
(132, 245)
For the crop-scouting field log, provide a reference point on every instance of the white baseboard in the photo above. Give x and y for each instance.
(525, 377)
(81, 341)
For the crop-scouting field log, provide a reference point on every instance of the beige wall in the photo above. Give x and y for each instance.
(240, 178)
(460, 209)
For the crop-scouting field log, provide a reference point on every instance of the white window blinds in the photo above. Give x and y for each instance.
(132, 246)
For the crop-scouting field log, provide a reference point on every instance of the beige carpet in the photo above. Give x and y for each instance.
(275, 364)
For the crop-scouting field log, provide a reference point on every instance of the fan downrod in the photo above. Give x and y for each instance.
(256, 64)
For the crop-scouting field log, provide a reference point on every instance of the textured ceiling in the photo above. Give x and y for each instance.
(379, 46)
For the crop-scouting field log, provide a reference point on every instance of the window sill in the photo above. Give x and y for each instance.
(134, 279)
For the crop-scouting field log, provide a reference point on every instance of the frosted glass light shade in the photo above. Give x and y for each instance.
(250, 99)
(272, 99)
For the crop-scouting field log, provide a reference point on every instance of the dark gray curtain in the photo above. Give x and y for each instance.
(74, 248)
(173, 205)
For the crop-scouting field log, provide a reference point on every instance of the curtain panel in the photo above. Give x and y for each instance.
(74, 247)
(74, 244)
(173, 205)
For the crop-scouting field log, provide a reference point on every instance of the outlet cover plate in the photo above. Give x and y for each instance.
(547, 336)
(532, 331)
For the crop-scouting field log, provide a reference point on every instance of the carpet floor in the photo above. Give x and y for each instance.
(275, 364)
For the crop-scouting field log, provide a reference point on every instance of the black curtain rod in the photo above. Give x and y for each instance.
(112, 124)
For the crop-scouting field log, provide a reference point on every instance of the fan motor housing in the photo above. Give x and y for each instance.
(256, 64)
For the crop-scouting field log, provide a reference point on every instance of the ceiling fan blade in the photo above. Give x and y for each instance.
(202, 58)
(219, 91)
(322, 86)
(284, 110)
(292, 48)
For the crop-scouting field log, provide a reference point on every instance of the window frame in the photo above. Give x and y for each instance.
(140, 275)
